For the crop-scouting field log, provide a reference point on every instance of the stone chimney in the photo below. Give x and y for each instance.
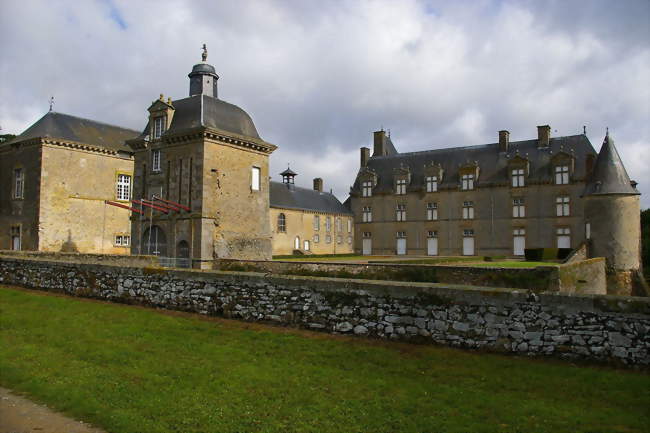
(543, 135)
(318, 184)
(504, 140)
(380, 143)
(365, 155)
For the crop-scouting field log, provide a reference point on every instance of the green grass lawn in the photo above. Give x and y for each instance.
(130, 369)
(509, 264)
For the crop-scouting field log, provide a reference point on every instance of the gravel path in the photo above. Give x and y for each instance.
(19, 415)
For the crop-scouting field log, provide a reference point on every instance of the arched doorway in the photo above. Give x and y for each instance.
(154, 242)
(183, 254)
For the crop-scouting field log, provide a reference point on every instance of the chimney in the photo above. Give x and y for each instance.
(543, 135)
(504, 140)
(365, 155)
(380, 143)
(318, 184)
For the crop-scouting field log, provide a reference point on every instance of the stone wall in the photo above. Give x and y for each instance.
(602, 328)
(579, 277)
(98, 259)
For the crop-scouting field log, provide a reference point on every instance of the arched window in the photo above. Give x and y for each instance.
(282, 223)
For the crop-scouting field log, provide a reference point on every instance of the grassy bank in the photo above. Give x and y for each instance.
(129, 369)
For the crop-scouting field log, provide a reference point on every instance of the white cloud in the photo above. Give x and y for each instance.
(318, 78)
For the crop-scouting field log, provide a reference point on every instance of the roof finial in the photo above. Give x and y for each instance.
(584, 129)
(204, 55)
(607, 131)
(51, 102)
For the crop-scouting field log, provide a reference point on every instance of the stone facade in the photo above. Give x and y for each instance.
(65, 184)
(593, 327)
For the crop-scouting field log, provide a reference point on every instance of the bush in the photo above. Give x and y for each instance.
(546, 254)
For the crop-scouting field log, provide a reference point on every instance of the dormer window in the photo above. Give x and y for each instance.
(432, 183)
(561, 175)
(400, 187)
(518, 176)
(467, 182)
(366, 188)
(158, 126)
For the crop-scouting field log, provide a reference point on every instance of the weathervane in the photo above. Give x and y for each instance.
(204, 55)
(51, 102)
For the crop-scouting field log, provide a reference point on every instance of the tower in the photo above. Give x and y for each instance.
(612, 218)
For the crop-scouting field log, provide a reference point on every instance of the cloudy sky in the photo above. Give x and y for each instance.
(318, 77)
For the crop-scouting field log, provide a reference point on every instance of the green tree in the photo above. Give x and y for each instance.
(645, 241)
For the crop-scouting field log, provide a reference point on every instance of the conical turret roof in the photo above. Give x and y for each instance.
(609, 175)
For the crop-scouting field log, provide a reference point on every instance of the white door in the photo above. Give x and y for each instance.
(296, 243)
(564, 241)
(15, 243)
(367, 247)
(401, 246)
(519, 244)
(432, 246)
(468, 246)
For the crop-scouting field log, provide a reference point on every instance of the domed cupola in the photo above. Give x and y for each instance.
(203, 78)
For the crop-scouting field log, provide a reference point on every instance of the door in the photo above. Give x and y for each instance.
(468, 246)
(432, 246)
(401, 246)
(519, 244)
(15, 243)
(367, 247)
(564, 241)
(296, 243)
(306, 245)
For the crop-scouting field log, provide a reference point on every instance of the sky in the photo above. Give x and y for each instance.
(318, 77)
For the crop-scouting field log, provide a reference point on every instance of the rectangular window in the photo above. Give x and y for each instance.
(401, 235)
(19, 183)
(467, 182)
(517, 177)
(349, 239)
(562, 206)
(367, 235)
(316, 238)
(432, 183)
(366, 189)
(339, 239)
(339, 225)
(432, 211)
(400, 187)
(316, 222)
(563, 237)
(519, 232)
(366, 215)
(468, 210)
(562, 175)
(123, 187)
(518, 208)
(15, 238)
(158, 126)
(122, 240)
(255, 179)
(400, 212)
(328, 224)
(432, 234)
(468, 233)
(349, 226)
(155, 160)
(328, 239)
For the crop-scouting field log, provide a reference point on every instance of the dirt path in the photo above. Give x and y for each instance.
(19, 415)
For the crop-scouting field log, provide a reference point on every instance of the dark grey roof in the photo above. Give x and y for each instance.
(288, 172)
(493, 165)
(202, 68)
(203, 110)
(390, 147)
(609, 175)
(72, 128)
(294, 197)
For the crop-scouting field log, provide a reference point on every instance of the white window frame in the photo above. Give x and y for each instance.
(561, 174)
(316, 222)
(339, 225)
(16, 232)
(159, 126)
(328, 224)
(432, 211)
(468, 233)
(562, 206)
(468, 210)
(518, 177)
(401, 235)
(349, 225)
(123, 187)
(432, 234)
(122, 240)
(366, 188)
(155, 160)
(432, 183)
(518, 208)
(366, 214)
(19, 182)
(255, 178)
(316, 238)
(282, 223)
(467, 182)
(400, 187)
(400, 212)
(328, 239)
(367, 235)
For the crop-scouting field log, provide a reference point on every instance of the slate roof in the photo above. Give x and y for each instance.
(493, 165)
(609, 175)
(203, 110)
(294, 197)
(72, 128)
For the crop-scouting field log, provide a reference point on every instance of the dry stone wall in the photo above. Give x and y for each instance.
(595, 327)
